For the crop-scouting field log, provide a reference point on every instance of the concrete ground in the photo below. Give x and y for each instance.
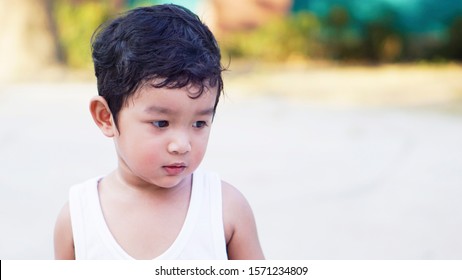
(361, 179)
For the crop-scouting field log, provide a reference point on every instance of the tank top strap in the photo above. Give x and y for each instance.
(216, 209)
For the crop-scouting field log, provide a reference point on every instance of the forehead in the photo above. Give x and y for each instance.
(174, 99)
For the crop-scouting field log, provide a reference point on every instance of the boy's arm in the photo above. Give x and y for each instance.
(240, 228)
(63, 241)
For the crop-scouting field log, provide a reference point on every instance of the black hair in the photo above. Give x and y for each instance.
(167, 42)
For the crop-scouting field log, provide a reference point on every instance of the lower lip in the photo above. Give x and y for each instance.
(174, 170)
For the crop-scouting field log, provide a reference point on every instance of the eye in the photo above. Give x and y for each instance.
(200, 124)
(160, 124)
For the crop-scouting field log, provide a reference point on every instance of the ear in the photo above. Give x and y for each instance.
(102, 116)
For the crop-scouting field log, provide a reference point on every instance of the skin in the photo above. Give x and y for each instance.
(160, 139)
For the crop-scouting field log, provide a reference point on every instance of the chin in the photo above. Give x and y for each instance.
(170, 182)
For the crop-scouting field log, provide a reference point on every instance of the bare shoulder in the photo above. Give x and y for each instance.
(232, 197)
(63, 241)
(240, 227)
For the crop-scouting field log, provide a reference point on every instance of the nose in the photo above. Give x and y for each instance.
(179, 144)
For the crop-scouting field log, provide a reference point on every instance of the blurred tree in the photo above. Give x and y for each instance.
(77, 20)
(378, 36)
(455, 39)
(28, 41)
(336, 31)
(283, 39)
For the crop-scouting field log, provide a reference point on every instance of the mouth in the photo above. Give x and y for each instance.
(174, 169)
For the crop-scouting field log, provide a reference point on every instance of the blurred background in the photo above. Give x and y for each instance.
(341, 122)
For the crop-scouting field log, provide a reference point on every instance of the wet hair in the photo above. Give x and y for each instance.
(163, 45)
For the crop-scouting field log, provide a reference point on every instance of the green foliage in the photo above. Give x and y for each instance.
(454, 45)
(304, 36)
(339, 37)
(381, 43)
(76, 24)
(281, 39)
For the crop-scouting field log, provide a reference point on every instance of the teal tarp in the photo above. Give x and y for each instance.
(415, 16)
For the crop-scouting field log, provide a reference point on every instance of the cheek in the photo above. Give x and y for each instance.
(150, 151)
(200, 145)
(140, 152)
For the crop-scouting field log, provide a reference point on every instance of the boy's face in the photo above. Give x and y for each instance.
(163, 134)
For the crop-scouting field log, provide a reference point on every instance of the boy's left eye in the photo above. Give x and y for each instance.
(199, 124)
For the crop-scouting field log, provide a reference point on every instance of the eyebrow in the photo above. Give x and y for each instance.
(167, 111)
(159, 110)
(207, 112)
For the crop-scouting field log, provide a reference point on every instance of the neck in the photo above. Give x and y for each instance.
(137, 185)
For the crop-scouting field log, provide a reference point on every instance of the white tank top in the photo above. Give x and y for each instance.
(202, 236)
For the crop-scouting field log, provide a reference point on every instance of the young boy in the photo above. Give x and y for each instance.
(159, 81)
